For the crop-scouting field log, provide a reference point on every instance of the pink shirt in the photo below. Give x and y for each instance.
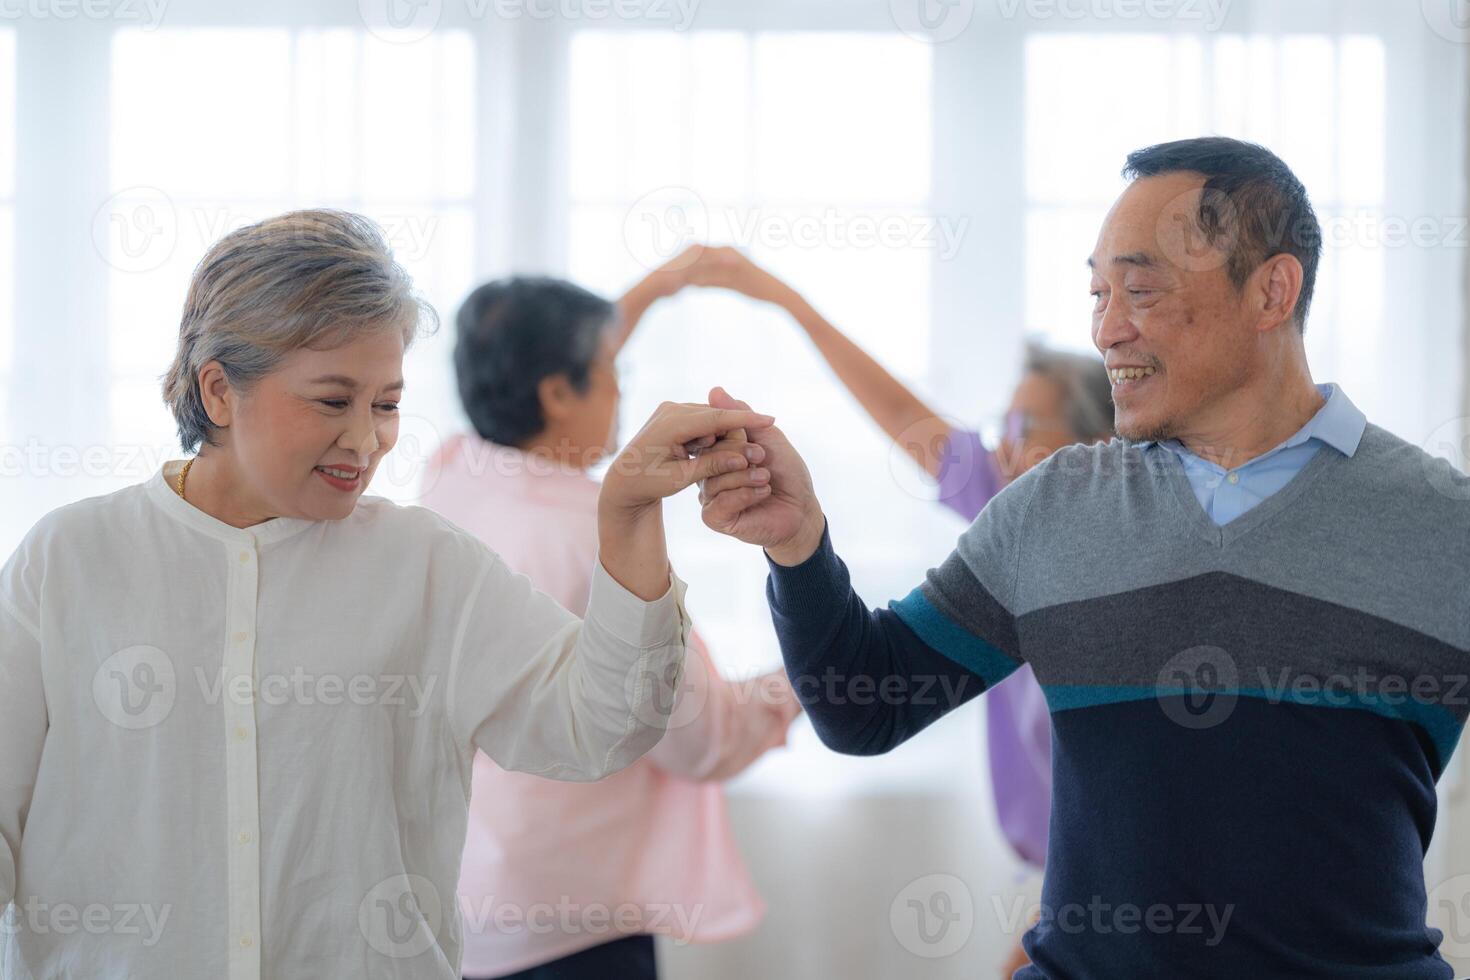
(553, 867)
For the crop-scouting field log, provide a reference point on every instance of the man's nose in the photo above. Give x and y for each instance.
(1114, 327)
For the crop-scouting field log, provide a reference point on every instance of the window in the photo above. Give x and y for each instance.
(1331, 132)
(277, 120)
(791, 146)
(7, 225)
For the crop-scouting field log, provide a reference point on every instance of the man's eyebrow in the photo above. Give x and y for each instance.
(1142, 260)
(344, 380)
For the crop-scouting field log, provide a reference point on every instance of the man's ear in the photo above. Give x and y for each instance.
(1278, 286)
(558, 399)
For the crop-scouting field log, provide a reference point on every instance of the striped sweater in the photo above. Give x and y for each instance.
(1248, 720)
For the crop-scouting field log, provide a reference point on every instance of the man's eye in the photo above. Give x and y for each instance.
(389, 406)
(1141, 292)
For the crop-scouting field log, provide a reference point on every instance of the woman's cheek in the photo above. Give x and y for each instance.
(388, 434)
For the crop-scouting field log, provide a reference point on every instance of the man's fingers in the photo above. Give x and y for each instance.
(716, 485)
(720, 398)
(722, 511)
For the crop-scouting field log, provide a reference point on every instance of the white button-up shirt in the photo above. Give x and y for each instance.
(246, 752)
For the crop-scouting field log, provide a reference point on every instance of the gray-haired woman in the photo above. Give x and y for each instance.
(239, 701)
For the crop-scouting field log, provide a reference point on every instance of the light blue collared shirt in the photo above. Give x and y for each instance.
(1226, 494)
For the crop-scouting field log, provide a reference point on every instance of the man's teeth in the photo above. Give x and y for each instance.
(339, 474)
(1120, 375)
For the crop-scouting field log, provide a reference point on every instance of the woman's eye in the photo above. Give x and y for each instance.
(333, 402)
(389, 406)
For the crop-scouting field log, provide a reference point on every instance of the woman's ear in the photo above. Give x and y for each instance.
(216, 393)
(558, 399)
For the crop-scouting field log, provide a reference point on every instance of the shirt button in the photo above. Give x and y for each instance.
(242, 734)
(1234, 478)
(244, 837)
(246, 941)
(244, 556)
(240, 637)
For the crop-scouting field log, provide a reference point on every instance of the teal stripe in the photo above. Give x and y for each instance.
(952, 640)
(1436, 720)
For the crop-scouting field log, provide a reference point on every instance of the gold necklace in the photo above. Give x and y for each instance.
(184, 472)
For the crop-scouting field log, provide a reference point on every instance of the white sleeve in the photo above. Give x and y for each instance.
(540, 691)
(23, 718)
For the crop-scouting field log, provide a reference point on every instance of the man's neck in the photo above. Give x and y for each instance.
(1256, 423)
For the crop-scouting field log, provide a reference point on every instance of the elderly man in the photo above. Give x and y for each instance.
(1249, 614)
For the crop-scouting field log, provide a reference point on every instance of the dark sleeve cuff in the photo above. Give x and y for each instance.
(822, 578)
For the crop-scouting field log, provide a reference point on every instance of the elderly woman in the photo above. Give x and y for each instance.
(1061, 399)
(239, 702)
(649, 850)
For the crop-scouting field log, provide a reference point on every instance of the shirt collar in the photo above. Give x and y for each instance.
(1339, 423)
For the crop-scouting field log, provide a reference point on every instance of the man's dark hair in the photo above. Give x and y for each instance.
(1252, 205)
(513, 332)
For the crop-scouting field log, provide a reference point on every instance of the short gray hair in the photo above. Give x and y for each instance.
(1087, 394)
(317, 279)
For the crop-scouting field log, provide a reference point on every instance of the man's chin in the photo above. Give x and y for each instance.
(1137, 427)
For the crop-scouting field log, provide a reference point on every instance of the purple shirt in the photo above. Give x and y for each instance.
(1018, 723)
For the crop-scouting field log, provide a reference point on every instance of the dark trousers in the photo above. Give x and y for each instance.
(629, 958)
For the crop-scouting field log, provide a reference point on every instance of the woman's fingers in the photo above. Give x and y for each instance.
(699, 445)
(688, 426)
